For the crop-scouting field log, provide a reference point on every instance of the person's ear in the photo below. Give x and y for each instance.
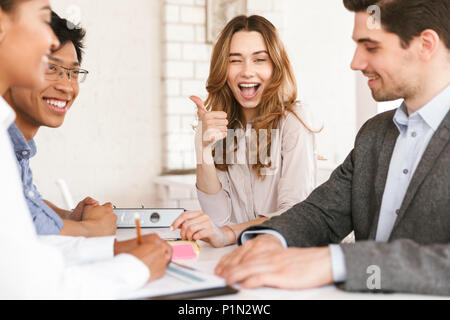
(429, 44)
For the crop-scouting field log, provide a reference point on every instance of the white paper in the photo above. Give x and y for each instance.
(164, 233)
(167, 234)
(178, 280)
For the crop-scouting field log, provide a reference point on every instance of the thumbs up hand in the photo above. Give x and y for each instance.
(213, 124)
(201, 110)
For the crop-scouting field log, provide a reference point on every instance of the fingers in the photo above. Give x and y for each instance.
(232, 259)
(202, 235)
(191, 228)
(200, 104)
(152, 238)
(260, 280)
(168, 252)
(218, 123)
(158, 263)
(156, 242)
(184, 217)
(222, 263)
(188, 228)
(248, 251)
(90, 201)
(252, 249)
(215, 134)
(158, 254)
(214, 124)
(108, 205)
(251, 268)
(202, 110)
(216, 115)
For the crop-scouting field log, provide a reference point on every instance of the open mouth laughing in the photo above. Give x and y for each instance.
(249, 90)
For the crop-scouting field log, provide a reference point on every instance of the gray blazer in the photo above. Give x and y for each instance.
(416, 258)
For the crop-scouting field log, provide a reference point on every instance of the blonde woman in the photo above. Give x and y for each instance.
(248, 178)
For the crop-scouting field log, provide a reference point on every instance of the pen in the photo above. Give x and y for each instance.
(137, 220)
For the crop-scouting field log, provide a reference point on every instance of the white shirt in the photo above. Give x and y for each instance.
(53, 267)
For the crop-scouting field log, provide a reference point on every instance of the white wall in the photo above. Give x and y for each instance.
(186, 63)
(185, 59)
(110, 144)
(317, 35)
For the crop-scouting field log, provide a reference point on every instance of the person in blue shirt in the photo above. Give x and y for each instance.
(48, 105)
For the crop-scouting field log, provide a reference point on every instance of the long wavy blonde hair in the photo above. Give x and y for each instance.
(278, 98)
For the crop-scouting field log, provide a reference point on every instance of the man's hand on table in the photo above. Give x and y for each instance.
(264, 262)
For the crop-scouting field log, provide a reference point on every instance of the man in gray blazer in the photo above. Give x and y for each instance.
(393, 189)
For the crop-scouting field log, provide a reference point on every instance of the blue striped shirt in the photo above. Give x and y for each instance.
(45, 220)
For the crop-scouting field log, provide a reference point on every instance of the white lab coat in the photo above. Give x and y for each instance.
(53, 267)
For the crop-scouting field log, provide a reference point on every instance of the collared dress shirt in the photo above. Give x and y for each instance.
(46, 221)
(53, 267)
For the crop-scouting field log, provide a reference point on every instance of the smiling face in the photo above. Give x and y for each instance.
(393, 71)
(48, 104)
(249, 69)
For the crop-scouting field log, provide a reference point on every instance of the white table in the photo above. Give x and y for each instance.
(210, 256)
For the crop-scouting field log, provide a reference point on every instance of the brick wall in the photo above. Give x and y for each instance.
(186, 58)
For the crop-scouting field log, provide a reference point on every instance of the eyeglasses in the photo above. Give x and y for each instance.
(55, 72)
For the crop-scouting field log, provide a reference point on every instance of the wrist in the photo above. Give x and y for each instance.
(64, 214)
(230, 235)
(124, 246)
(119, 247)
(207, 157)
(116, 247)
(204, 155)
(272, 238)
(85, 228)
(329, 278)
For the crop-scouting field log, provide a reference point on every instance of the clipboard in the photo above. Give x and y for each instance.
(183, 282)
(149, 217)
(205, 293)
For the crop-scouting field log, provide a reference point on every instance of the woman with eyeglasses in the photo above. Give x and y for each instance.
(63, 267)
